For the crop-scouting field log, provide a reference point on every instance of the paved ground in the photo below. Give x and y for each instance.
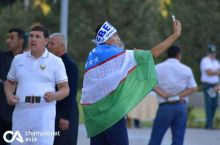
(141, 137)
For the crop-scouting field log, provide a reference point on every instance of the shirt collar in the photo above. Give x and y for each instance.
(172, 60)
(44, 55)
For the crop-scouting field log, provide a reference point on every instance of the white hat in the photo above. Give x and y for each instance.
(104, 33)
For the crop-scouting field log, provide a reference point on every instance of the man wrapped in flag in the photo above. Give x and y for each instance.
(115, 81)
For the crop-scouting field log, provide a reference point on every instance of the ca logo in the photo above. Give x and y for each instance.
(15, 135)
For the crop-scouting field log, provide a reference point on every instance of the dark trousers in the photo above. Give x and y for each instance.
(68, 137)
(173, 116)
(4, 126)
(136, 123)
(211, 103)
(115, 135)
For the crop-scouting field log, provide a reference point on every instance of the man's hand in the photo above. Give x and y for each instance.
(162, 46)
(50, 96)
(12, 100)
(63, 124)
(210, 72)
(177, 28)
(174, 98)
(217, 88)
(161, 92)
(186, 92)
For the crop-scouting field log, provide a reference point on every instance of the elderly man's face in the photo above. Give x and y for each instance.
(114, 40)
(54, 45)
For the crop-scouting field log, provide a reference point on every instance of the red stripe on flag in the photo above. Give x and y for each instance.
(105, 61)
(133, 68)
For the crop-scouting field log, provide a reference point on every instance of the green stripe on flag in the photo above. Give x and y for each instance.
(106, 112)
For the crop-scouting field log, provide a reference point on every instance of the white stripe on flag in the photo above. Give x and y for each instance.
(103, 79)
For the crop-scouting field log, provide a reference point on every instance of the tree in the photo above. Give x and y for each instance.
(140, 23)
(16, 15)
(137, 22)
(200, 20)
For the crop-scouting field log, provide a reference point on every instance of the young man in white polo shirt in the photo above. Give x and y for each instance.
(35, 74)
(175, 83)
(210, 70)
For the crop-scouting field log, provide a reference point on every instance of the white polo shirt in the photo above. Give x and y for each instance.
(35, 77)
(212, 64)
(174, 77)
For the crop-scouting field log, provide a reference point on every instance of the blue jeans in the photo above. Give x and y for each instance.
(211, 104)
(115, 135)
(169, 115)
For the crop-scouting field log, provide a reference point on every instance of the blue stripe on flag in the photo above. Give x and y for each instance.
(100, 54)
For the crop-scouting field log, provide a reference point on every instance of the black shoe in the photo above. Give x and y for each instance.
(210, 128)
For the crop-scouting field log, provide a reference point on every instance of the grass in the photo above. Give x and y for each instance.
(81, 116)
(196, 118)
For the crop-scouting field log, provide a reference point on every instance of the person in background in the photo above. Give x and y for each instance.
(175, 83)
(115, 81)
(67, 112)
(210, 72)
(15, 43)
(36, 73)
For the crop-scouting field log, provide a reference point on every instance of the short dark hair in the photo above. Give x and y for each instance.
(20, 32)
(173, 51)
(211, 48)
(21, 35)
(97, 29)
(41, 28)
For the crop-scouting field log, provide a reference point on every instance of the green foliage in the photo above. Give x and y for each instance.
(134, 21)
(17, 15)
(200, 20)
(139, 23)
(12, 16)
(196, 118)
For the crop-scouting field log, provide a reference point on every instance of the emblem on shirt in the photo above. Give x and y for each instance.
(42, 66)
(20, 65)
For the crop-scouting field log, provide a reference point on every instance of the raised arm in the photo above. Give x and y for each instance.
(162, 46)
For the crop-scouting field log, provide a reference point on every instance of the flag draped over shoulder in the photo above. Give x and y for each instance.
(115, 81)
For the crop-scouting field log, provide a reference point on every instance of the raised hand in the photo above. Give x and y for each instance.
(177, 28)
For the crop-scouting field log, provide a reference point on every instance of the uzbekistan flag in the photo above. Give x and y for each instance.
(115, 81)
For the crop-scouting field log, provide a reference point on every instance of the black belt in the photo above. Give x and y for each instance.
(32, 99)
(210, 83)
(173, 102)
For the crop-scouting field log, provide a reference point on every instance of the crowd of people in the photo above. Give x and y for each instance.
(38, 87)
